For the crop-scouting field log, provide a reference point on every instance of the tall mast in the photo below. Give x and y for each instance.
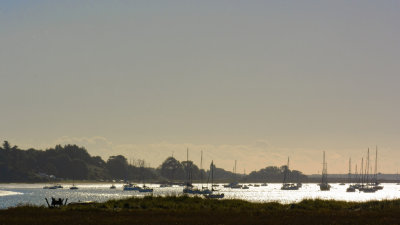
(287, 168)
(376, 166)
(324, 169)
(187, 167)
(286, 171)
(349, 178)
(201, 160)
(212, 174)
(362, 171)
(235, 166)
(367, 168)
(356, 173)
(201, 168)
(235, 171)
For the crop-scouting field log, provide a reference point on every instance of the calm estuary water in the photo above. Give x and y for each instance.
(18, 194)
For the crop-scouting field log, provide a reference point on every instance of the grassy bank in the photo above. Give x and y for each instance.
(189, 210)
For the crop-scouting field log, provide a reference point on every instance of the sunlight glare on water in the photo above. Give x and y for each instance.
(34, 194)
(6, 193)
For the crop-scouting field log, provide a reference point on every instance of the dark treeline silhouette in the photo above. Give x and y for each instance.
(72, 162)
(275, 174)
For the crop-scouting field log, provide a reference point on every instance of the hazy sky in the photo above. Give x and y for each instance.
(255, 81)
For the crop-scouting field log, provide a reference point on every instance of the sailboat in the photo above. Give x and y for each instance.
(357, 178)
(234, 184)
(324, 186)
(245, 186)
(285, 184)
(213, 194)
(368, 187)
(144, 188)
(376, 183)
(128, 186)
(73, 187)
(204, 189)
(189, 189)
(351, 187)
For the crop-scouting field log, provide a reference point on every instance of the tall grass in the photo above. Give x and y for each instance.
(196, 210)
(187, 203)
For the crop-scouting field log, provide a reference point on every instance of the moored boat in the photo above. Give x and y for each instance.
(290, 186)
(324, 186)
(165, 185)
(233, 185)
(285, 184)
(55, 186)
(145, 189)
(214, 194)
(130, 187)
(368, 189)
(351, 188)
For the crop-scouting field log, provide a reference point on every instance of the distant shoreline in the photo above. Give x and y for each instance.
(311, 181)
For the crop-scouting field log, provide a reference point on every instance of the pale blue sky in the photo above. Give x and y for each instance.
(151, 77)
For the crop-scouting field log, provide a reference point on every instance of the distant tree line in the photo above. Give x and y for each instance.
(275, 174)
(75, 163)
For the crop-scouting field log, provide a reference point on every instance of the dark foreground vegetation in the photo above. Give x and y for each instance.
(189, 210)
